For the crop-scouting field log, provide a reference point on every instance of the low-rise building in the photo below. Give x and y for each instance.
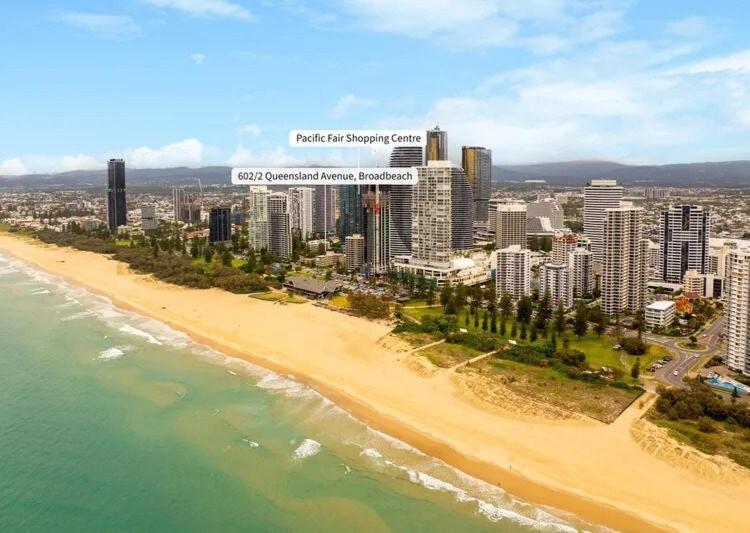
(660, 314)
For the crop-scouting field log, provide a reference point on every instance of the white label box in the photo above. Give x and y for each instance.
(324, 176)
(356, 138)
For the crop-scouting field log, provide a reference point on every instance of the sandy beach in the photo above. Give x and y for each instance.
(627, 475)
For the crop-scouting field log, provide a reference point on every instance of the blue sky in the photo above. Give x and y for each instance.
(198, 82)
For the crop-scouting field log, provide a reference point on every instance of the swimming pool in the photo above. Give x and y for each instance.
(715, 382)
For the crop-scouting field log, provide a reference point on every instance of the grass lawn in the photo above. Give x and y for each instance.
(237, 263)
(446, 355)
(341, 301)
(278, 296)
(547, 385)
(729, 440)
(417, 339)
(598, 350)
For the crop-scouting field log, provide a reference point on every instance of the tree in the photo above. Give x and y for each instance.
(524, 309)
(693, 341)
(503, 329)
(467, 320)
(534, 335)
(431, 292)
(484, 321)
(493, 321)
(543, 310)
(446, 294)
(553, 343)
(208, 254)
(506, 304)
(560, 318)
(514, 330)
(639, 318)
(635, 370)
(523, 331)
(226, 257)
(580, 325)
(601, 325)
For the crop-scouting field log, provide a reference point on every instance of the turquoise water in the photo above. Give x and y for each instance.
(114, 422)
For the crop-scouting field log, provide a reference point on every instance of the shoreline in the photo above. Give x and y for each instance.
(378, 410)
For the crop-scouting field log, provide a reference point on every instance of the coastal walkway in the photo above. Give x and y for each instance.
(473, 360)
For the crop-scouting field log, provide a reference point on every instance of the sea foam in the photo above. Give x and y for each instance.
(308, 448)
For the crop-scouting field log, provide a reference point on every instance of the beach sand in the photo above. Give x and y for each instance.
(627, 475)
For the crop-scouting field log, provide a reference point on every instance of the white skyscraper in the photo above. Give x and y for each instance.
(684, 232)
(598, 196)
(513, 274)
(738, 311)
(178, 203)
(279, 225)
(257, 218)
(510, 229)
(562, 245)
(581, 265)
(431, 223)
(555, 280)
(624, 260)
(302, 208)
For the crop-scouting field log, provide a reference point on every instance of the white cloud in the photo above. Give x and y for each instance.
(249, 129)
(738, 62)
(349, 101)
(112, 27)
(544, 26)
(13, 167)
(280, 157)
(188, 152)
(216, 8)
(198, 58)
(79, 162)
(689, 27)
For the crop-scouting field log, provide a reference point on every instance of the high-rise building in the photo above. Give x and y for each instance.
(581, 266)
(432, 227)
(556, 280)
(257, 218)
(351, 212)
(738, 311)
(513, 274)
(220, 224)
(325, 210)
(623, 281)
(355, 252)
(437, 145)
(279, 225)
(477, 164)
(510, 229)
(302, 207)
(179, 201)
(402, 157)
(462, 233)
(148, 218)
(547, 208)
(376, 225)
(684, 232)
(562, 245)
(598, 196)
(117, 210)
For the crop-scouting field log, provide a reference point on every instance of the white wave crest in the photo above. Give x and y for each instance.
(127, 328)
(251, 443)
(111, 353)
(371, 453)
(308, 448)
(39, 292)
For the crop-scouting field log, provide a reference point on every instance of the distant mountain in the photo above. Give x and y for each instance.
(729, 173)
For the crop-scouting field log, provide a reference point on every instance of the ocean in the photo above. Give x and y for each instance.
(111, 421)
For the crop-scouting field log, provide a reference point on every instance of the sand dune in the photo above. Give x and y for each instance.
(620, 475)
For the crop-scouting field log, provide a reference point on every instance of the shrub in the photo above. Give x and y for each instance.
(633, 345)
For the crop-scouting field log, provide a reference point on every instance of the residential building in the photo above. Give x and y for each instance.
(148, 218)
(660, 314)
(684, 232)
(581, 266)
(355, 252)
(279, 225)
(351, 218)
(694, 283)
(738, 312)
(555, 279)
(477, 164)
(329, 259)
(401, 198)
(257, 218)
(377, 230)
(598, 196)
(179, 201)
(623, 280)
(302, 207)
(513, 275)
(326, 210)
(220, 225)
(437, 145)
(117, 210)
(510, 228)
(562, 245)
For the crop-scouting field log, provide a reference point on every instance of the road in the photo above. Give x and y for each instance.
(685, 360)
